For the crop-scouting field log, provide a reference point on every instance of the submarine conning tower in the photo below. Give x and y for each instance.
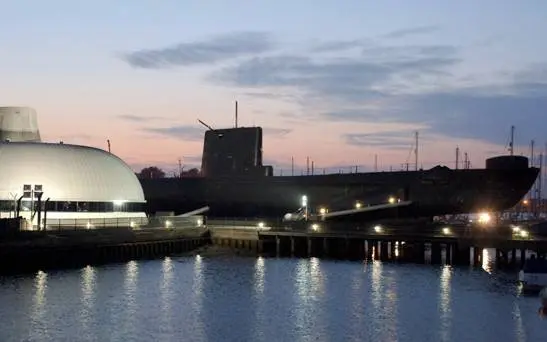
(233, 152)
(18, 124)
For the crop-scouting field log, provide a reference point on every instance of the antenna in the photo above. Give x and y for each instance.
(375, 163)
(532, 143)
(416, 151)
(236, 114)
(457, 157)
(512, 141)
(108, 143)
(531, 193)
(540, 183)
(206, 125)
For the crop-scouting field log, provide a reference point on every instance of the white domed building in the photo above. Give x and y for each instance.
(18, 124)
(56, 185)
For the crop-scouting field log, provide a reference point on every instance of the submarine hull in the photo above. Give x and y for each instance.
(235, 183)
(432, 192)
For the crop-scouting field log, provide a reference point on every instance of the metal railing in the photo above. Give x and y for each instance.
(300, 170)
(256, 223)
(136, 223)
(426, 230)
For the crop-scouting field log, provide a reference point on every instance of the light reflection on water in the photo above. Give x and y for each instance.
(87, 302)
(444, 303)
(308, 282)
(39, 308)
(261, 299)
(259, 276)
(488, 259)
(197, 326)
(166, 294)
(129, 300)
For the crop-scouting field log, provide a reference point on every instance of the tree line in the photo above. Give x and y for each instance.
(153, 172)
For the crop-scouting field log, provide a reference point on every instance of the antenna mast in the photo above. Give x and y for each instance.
(532, 143)
(512, 142)
(206, 125)
(180, 168)
(457, 157)
(236, 114)
(108, 143)
(416, 151)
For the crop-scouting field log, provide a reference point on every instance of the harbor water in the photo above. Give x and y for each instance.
(223, 297)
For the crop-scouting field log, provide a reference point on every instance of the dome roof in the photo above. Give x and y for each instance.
(66, 173)
(18, 124)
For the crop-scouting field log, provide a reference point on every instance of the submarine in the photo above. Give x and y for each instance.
(234, 183)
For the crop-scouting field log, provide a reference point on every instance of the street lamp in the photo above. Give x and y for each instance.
(304, 201)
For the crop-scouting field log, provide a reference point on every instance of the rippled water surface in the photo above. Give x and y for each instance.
(255, 299)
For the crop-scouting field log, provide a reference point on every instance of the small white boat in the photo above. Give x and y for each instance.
(533, 275)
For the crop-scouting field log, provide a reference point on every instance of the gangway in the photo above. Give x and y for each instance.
(194, 212)
(356, 211)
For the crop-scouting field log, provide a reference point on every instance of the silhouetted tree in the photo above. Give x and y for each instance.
(151, 172)
(194, 172)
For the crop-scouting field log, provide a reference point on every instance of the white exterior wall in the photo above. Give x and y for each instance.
(69, 173)
(66, 173)
(18, 124)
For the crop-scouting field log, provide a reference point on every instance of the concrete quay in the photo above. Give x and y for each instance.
(29, 251)
(41, 250)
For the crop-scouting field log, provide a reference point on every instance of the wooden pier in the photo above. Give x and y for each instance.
(436, 244)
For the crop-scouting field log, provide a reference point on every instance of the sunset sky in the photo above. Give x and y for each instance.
(338, 81)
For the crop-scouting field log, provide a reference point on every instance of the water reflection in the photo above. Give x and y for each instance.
(444, 303)
(309, 285)
(317, 279)
(384, 301)
(396, 249)
(357, 303)
(487, 260)
(87, 303)
(261, 310)
(248, 299)
(39, 306)
(259, 276)
(197, 296)
(376, 278)
(130, 295)
(520, 334)
(166, 291)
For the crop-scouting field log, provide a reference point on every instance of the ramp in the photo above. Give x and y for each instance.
(194, 212)
(370, 209)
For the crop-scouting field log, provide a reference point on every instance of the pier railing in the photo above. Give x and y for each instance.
(124, 222)
(505, 231)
